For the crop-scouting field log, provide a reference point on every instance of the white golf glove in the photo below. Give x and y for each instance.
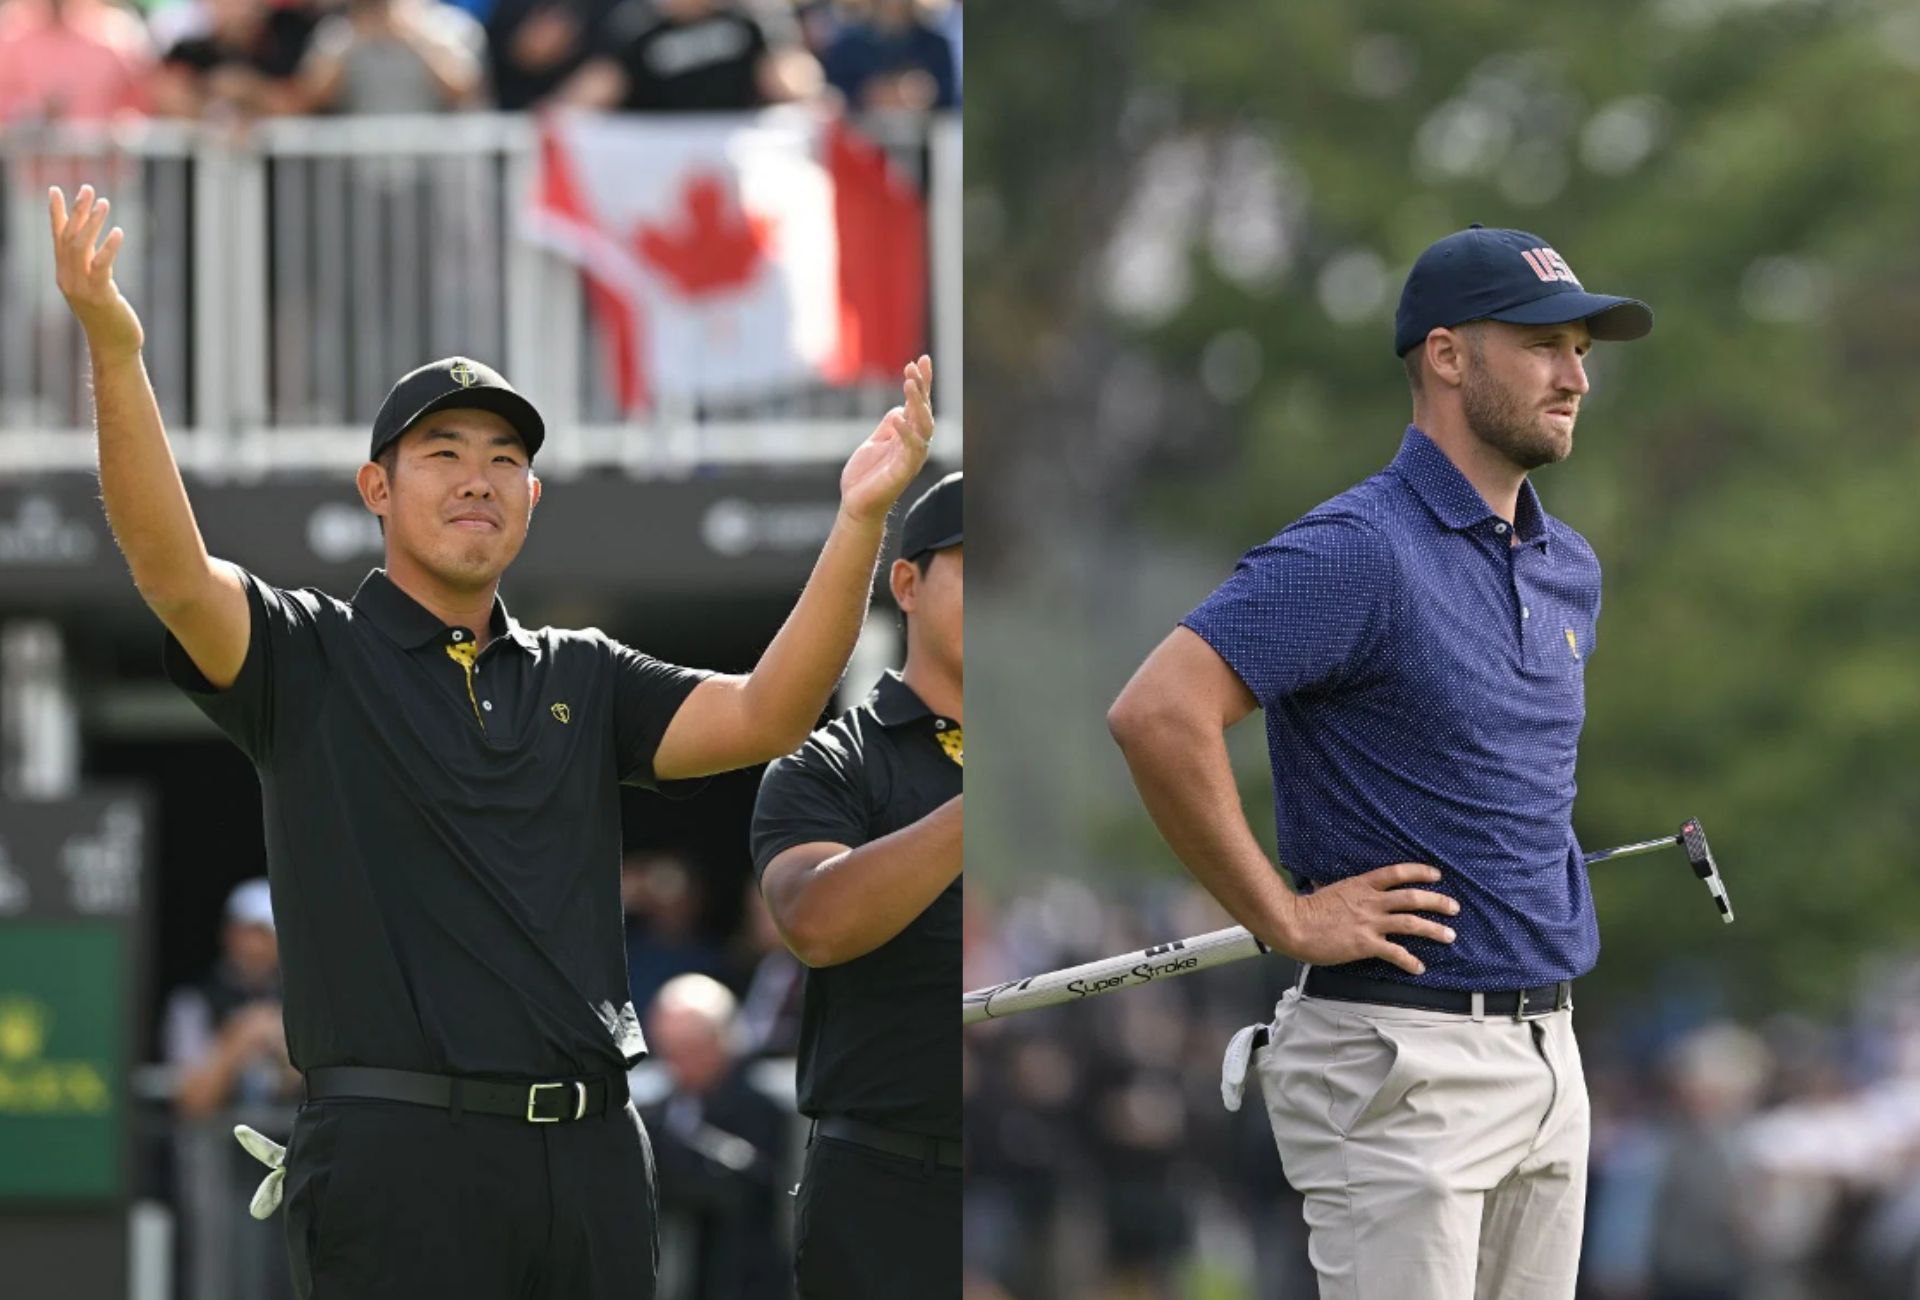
(266, 1197)
(1233, 1067)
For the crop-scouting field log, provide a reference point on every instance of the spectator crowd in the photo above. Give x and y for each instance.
(1773, 1160)
(238, 60)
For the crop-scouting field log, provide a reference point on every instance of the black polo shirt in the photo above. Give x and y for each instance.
(443, 831)
(879, 1040)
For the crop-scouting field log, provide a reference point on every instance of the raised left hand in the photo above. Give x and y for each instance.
(882, 466)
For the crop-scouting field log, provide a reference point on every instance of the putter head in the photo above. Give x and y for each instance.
(1700, 857)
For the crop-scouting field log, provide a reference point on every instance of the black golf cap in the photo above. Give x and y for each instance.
(933, 522)
(1505, 275)
(447, 383)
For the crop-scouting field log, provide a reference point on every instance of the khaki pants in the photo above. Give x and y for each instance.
(1441, 1158)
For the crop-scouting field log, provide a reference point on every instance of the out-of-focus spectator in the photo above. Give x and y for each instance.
(71, 60)
(1701, 1227)
(224, 1034)
(775, 983)
(241, 62)
(1626, 1165)
(891, 57)
(394, 56)
(534, 46)
(719, 1143)
(693, 56)
(818, 22)
(663, 903)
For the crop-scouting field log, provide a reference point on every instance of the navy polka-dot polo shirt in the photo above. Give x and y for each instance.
(1421, 673)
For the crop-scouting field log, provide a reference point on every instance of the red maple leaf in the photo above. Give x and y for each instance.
(708, 245)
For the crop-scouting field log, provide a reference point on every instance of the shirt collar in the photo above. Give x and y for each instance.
(894, 703)
(413, 625)
(1457, 504)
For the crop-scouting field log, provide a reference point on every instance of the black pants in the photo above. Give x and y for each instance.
(391, 1201)
(871, 1226)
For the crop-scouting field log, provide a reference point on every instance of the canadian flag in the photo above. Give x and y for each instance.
(730, 255)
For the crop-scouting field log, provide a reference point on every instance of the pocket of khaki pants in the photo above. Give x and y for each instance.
(1324, 1071)
(1360, 1073)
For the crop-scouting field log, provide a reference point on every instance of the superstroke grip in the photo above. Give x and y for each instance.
(1181, 957)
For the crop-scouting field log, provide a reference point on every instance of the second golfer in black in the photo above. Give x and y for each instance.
(857, 839)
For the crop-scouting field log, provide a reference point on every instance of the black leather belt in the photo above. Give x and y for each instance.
(912, 1146)
(1520, 1004)
(554, 1101)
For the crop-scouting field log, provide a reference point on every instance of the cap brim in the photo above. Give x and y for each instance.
(509, 406)
(1609, 319)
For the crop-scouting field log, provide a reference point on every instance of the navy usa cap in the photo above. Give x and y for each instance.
(1505, 275)
(933, 522)
(454, 382)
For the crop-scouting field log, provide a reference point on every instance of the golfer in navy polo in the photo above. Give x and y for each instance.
(1418, 645)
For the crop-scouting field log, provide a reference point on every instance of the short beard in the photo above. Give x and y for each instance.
(1500, 420)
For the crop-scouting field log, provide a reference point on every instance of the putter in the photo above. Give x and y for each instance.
(1185, 956)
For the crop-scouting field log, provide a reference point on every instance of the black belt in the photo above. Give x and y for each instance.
(555, 1101)
(913, 1146)
(1521, 1004)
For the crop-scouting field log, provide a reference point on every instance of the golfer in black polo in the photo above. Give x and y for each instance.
(442, 821)
(857, 840)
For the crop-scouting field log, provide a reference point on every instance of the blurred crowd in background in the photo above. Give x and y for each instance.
(1772, 1160)
(237, 60)
(722, 1014)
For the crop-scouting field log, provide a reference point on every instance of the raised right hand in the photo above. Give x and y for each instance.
(1351, 919)
(85, 272)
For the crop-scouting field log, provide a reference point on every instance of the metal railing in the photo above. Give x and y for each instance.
(283, 276)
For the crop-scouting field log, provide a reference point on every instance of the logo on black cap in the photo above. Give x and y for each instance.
(453, 382)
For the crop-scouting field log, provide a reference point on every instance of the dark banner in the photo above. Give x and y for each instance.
(735, 533)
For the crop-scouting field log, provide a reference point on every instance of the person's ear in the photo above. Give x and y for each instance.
(1447, 357)
(375, 491)
(904, 580)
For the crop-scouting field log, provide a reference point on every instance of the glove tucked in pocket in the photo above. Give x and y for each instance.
(1233, 1066)
(266, 1197)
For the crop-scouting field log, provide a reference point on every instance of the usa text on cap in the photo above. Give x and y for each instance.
(1505, 275)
